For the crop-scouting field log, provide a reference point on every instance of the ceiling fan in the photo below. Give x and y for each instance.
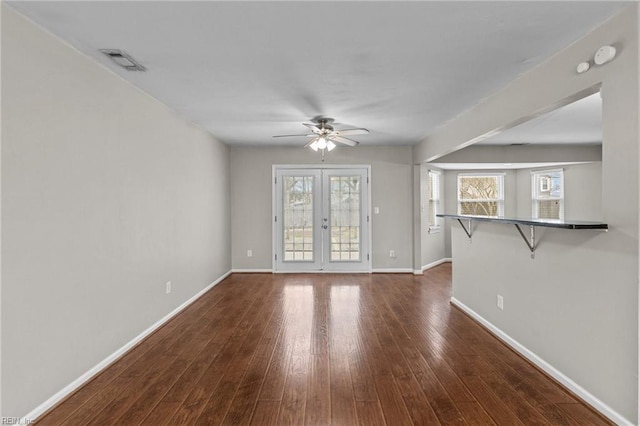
(324, 136)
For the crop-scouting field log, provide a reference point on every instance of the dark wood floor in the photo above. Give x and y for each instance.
(323, 349)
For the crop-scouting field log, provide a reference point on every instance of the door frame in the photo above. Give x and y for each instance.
(274, 211)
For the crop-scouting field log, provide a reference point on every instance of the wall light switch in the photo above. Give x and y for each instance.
(500, 302)
(249, 253)
(376, 210)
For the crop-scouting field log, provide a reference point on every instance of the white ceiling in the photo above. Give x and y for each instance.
(577, 123)
(248, 70)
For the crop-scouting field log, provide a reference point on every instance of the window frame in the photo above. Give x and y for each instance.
(501, 192)
(535, 188)
(433, 204)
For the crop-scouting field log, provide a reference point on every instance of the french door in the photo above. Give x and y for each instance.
(321, 220)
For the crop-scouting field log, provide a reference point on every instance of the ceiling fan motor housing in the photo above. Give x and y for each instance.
(324, 123)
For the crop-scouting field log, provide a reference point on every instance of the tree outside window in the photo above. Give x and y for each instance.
(481, 194)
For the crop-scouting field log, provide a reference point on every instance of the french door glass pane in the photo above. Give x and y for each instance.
(298, 218)
(345, 217)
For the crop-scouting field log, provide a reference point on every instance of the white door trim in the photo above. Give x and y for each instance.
(274, 211)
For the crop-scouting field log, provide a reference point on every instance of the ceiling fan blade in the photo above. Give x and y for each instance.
(313, 127)
(347, 132)
(310, 142)
(344, 140)
(290, 136)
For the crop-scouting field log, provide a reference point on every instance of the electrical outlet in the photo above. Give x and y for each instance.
(500, 302)
(168, 287)
(392, 253)
(249, 253)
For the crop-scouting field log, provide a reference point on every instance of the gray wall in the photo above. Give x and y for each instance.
(391, 191)
(576, 304)
(106, 196)
(583, 194)
(582, 191)
(451, 197)
(433, 245)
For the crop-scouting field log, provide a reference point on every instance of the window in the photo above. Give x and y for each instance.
(481, 194)
(547, 193)
(434, 200)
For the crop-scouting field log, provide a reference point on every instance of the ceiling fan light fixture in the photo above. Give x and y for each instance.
(325, 137)
(322, 143)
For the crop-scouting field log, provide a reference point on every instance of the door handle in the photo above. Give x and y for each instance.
(325, 226)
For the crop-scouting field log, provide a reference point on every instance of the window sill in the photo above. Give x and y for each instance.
(434, 229)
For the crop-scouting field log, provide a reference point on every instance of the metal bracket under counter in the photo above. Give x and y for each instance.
(468, 231)
(530, 241)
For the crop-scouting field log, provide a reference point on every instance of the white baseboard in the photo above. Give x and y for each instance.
(436, 263)
(392, 271)
(71, 387)
(590, 399)
(251, 271)
(321, 272)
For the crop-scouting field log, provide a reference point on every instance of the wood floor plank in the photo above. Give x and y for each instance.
(389, 396)
(198, 337)
(583, 414)
(294, 398)
(417, 405)
(533, 396)
(266, 413)
(140, 409)
(221, 395)
(361, 378)
(440, 403)
(244, 401)
(200, 394)
(342, 344)
(523, 410)
(75, 403)
(396, 344)
(474, 414)
(449, 379)
(369, 413)
(274, 382)
(318, 406)
(323, 349)
(343, 407)
(59, 414)
(445, 409)
(161, 414)
(496, 408)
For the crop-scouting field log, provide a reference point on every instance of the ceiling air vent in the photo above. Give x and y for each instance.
(123, 59)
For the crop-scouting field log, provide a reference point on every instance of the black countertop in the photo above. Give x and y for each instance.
(548, 223)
